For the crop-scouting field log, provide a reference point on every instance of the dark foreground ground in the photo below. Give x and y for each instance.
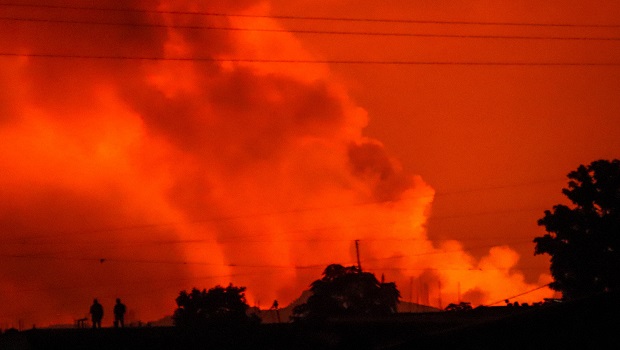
(591, 323)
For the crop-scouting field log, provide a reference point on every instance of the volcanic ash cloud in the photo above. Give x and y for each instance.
(138, 178)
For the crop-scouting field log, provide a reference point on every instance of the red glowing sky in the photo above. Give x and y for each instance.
(209, 170)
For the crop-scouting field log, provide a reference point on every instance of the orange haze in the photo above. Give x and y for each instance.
(132, 177)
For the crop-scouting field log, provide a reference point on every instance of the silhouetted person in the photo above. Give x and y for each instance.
(96, 312)
(119, 314)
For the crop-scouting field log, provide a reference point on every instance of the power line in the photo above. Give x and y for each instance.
(22, 240)
(259, 266)
(108, 260)
(139, 282)
(27, 240)
(103, 260)
(379, 269)
(518, 295)
(236, 239)
(102, 252)
(323, 32)
(442, 252)
(298, 61)
(167, 282)
(316, 18)
(500, 187)
(160, 284)
(243, 238)
(484, 213)
(233, 240)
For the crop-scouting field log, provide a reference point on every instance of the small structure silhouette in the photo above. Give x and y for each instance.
(119, 314)
(81, 322)
(96, 312)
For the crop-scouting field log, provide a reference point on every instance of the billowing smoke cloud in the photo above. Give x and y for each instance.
(138, 178)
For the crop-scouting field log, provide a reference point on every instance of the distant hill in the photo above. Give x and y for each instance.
(270, 316)
(165, 321)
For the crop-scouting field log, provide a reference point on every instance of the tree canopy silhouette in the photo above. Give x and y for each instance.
(348, 291)
(583, 240)
(218, 305)
(462, 306)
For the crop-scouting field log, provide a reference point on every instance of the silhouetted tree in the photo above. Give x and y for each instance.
(583, 240)
(218, 305)
(348, 291)
(462, 306)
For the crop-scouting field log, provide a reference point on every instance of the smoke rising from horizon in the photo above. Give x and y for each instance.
(140, 178)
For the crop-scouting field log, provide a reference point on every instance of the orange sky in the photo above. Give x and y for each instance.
(137, 178)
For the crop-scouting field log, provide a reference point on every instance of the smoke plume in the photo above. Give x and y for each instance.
(129, 173)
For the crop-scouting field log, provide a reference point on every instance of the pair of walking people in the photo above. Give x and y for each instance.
(96, 313)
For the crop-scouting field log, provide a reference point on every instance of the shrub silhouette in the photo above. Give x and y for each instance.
(218, 305)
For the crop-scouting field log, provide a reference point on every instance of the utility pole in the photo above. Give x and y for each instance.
(417, 296)
(276, 307)
(411, 294)
(357, 252)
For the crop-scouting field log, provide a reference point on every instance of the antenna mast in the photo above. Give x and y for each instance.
(357, 252)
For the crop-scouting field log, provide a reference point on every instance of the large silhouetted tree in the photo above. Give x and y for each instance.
(215, 306)
(462, 306)
(583, 240)
(348, 291)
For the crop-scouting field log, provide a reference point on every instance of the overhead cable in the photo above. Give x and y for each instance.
(302, 61)
(316, 18)
(312, 31)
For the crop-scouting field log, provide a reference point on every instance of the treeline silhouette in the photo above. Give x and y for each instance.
(342, 291)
